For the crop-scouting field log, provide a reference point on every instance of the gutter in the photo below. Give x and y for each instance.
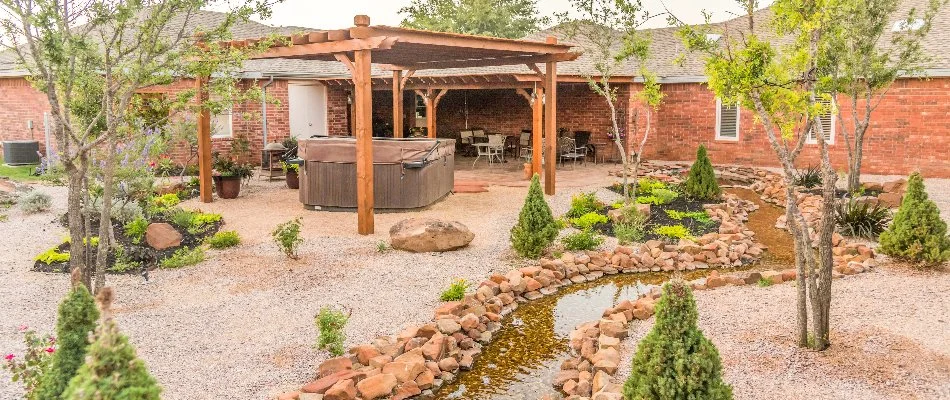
(264, 109)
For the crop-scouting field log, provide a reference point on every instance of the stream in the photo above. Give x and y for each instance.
(520, 363)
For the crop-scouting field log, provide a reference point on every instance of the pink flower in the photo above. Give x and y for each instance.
(23, 328)
(9, 357)
(49, 350)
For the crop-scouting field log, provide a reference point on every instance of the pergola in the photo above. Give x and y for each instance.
(404, 51)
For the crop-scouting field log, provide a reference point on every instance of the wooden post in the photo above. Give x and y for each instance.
(430, 113)
(397, 104)
(363, 121)
(204, 141)
(550, 121)
(537, 130)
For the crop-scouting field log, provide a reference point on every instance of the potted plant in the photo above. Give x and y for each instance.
(292, 171)
(227, 174)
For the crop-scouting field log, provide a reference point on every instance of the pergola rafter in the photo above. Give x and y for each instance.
(406, 51)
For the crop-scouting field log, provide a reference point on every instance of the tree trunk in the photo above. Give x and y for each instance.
(854, 166)
(76, 221)
(105, 217)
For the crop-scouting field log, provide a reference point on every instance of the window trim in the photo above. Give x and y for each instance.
(812, 139)
(230, 125)
(719, 122)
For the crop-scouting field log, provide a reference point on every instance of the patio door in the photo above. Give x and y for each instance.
(308, 109)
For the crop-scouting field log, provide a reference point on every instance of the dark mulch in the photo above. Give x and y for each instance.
(659, 217)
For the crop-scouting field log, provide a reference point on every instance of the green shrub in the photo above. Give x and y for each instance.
(287, 237)
(583, 203)
(588, 220)
(201, 222)
(330, 335)
(659, 197)
(646, 186)
(627, 233)
(701, 181)
(699, 216)
(456, 290)
(52, 255)
(76, 320)
(675, 360)
(536, 228)
(809, 177)
(165, 201)
(183, 257)
(765, 282)
(35, 202)
(583, 240)
(123, 263)
(861, 219)
(673, 231)
(917, 234)
(181, 218)
(135, 229)
(112, 370)
(224, 239)
(382, 246)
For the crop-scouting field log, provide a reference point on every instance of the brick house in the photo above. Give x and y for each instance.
(910, 130)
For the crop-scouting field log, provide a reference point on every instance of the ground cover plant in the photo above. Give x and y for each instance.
(224, 239)
(582, 240)
(183, 257)
(672, 215)
(35, 202)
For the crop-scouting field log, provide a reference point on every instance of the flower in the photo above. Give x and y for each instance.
(23, 328)
(9, 357)
(49, 350)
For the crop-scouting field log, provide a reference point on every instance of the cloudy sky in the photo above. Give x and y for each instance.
(330, 14)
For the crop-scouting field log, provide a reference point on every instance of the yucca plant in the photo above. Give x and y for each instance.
(809, 177)
(861, 219)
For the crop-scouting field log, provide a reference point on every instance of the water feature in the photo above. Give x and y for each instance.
(521, 361)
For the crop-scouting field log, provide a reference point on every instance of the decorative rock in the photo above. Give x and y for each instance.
(448, 326)
(449, 364)
(343, 390)
(892, 200)
(406, 390)
(334, 365)
(161, 236)
(376, 386)
(429, 235)
(404, 371)
(364, 353)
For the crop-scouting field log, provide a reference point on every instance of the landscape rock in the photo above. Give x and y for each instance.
(161, 236)
(422, 235)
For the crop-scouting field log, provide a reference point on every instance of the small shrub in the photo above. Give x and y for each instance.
(627, 233)
(183, 257)
(165, 201)
(123, 263)
(287, 237)
(583, 203)
(52, 255)
(583, 240)
(765, 282)
(664, 196)
(675, 360)
(135, 229)
(382, 246)
(35, 202)
(181, 218)
(126, 212)
(588, 220)
(861, 219)
(456, 290)
(224, 239)
(673, 231)
(646, 186)
(77, 319)
(917, 234)
(330, 335)
(31, 368)
(536, 228)
(809, 177)
(201, 222)
(701, 181)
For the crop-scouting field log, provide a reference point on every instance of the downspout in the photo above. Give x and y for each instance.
(264, 109)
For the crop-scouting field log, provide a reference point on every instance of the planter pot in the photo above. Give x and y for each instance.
(527, 171)
(293, 180)
(228, 187)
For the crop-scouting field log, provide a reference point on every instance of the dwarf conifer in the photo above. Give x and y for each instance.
(917, 233)
(536, 228)
(701, 182)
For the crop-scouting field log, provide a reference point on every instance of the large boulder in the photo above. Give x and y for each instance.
(161, 236)
(429, 235)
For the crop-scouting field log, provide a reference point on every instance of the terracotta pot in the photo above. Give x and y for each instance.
(527, 171)
(228, 187)
(293, 180)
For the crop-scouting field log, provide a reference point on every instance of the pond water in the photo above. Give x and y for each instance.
(520, 363)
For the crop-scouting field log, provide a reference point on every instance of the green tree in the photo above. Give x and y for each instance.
(675, 360)
(536, 228)
(607, 31)
(111, 369)
(501, 18)
(77, 318)
(701, 181)
(917, 233)
(863, 68)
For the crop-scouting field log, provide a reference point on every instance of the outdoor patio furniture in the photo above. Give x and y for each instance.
(271, 157)
(494, 149)
(466, 140)
(583, 140)
(479, 135)
(571, 151)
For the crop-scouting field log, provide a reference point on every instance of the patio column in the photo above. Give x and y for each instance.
(204, 141)
(363, 124)
(397, 104)
(432, 97)
(537, 130)
(550, 121)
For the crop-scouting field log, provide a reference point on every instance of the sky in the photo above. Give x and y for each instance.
(334, 14)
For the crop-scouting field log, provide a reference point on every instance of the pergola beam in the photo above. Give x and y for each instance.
(489, 62)
(330, 47)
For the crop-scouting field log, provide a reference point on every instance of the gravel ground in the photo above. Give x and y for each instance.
(890, 339)
(240, 325)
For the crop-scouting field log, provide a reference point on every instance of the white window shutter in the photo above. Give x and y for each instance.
(727, 121)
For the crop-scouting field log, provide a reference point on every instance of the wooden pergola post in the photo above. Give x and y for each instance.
(550, 122)
(537, 130)
(397, 104)
(432, 97)
(204, 141)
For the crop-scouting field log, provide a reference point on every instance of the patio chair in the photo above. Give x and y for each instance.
(583, 140)
(479, 135)
(466, 140)
(494, 150)
(571, 151)
(497, 143)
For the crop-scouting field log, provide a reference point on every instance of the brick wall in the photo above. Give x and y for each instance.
(338, 110)
(20, 103)
(909, 131)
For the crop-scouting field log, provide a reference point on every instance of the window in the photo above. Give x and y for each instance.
(727, 121)
(221, 124)
(828, 121)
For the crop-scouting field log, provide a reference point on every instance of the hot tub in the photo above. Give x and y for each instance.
(407, 173)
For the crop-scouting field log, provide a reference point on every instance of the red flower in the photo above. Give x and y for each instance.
(49, 350)
(9, 357)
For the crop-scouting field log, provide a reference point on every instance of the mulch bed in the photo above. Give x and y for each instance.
(659, 217)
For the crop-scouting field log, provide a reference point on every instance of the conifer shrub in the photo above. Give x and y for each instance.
(701, 181)
(917, 233)
(536, 228)
(675, 360)
(77, 318)
(112, 370)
